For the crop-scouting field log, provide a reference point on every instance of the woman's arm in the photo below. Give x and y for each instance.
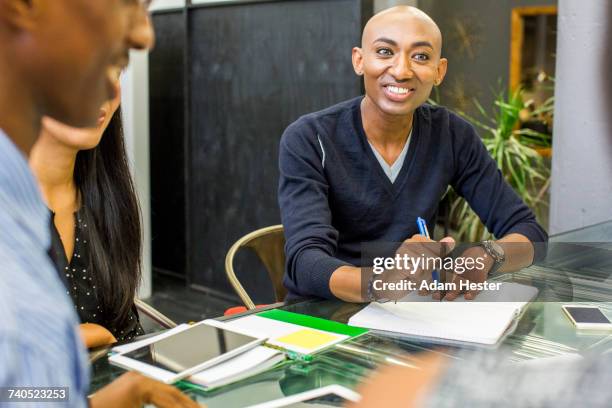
(94, 335)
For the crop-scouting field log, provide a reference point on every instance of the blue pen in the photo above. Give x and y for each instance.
(423, 231)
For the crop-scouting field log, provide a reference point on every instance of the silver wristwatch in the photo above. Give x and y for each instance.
(495, 251)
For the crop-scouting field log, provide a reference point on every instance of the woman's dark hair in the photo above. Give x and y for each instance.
(111, 211)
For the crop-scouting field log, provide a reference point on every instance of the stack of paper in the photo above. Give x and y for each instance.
(244, 365)
(294, 332)
(483, 322)
(289, 334)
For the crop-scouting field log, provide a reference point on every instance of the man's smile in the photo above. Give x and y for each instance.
(398, 93)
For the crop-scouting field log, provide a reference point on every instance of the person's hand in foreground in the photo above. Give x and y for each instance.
(399, 386)
(133, 390)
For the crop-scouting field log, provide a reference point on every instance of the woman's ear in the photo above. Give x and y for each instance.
(357, 58)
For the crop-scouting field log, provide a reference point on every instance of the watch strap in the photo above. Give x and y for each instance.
(498, 258)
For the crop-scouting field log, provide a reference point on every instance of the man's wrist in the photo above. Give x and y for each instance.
(371, 294)
(487, 261)
(346, 283)
(370, 297)
(494, 254)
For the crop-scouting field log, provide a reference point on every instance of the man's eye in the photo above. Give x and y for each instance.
(421, 57)
(385, 52)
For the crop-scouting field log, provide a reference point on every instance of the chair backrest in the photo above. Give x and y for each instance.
(154, 314)
(269, 245)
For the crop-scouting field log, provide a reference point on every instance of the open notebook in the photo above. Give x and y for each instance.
(483, 322)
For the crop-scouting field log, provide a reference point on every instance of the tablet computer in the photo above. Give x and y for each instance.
(180, 355)
(330, 396)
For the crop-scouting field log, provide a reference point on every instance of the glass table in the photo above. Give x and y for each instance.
(573, 272)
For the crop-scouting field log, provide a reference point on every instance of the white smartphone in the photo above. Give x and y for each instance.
(173, 358)
(587, 317)
(329, 396)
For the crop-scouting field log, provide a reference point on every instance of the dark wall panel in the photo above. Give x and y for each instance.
(476, 36)
(255, 68)
(166, 92)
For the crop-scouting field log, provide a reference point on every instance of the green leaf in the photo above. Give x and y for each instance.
(512, 149)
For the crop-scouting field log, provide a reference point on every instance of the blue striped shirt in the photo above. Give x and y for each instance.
(39, 342)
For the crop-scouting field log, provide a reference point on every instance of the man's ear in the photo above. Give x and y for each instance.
(442, 67)
(19, 14)
(358, 60)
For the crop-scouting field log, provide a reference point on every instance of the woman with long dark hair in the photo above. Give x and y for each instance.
(96, 240)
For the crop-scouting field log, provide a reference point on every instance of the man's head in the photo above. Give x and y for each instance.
(400, 59)
(64, 53)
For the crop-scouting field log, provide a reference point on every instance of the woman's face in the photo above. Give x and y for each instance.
(83, 138)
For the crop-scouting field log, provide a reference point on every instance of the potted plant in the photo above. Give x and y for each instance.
(513, 149)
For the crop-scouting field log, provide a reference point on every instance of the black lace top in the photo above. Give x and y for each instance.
(80, 285)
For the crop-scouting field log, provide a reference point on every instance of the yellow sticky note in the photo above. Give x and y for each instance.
(308, 339)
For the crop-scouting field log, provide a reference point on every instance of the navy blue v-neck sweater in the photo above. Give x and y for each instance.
(334, 195)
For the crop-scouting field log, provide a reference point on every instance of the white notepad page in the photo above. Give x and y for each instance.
(483, 322)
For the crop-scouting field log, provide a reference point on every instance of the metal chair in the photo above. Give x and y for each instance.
(269, 245)
(154, 314)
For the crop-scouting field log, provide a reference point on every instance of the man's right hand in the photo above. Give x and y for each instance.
(133, 390)
(349, 283)
(418, 246)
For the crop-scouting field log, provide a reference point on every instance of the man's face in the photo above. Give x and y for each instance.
(400, 62)
(77, 49)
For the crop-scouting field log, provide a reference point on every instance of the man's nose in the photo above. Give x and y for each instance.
(402, 68)
(141, 35)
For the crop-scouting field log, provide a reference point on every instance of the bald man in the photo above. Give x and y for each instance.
(363, 170)
(490, 378)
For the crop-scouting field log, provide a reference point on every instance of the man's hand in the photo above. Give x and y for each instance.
(472, 275)
(417, 247)
(133, 390)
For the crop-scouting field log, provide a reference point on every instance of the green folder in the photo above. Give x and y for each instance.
(313, 322)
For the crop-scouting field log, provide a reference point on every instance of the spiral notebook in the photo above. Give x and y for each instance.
(483, 322)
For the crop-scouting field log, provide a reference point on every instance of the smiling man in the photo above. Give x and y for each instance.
(362, 171)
